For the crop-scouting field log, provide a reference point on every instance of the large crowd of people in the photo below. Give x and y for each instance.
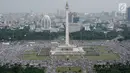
(12, 53)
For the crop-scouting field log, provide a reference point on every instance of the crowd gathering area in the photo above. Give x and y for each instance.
(35, 57)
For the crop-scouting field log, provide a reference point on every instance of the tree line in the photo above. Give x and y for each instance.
(25, 34)
(18, 68)
(112, 68)
(93, 35)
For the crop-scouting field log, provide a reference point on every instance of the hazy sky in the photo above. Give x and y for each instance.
(53, 5)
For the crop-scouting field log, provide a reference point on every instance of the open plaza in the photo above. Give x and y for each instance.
(95, 52)
(65, 56)
(38, 52)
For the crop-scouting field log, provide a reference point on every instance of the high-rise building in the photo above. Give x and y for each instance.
(73, 17)
(1, 18)
(128, 13)
(70, 17)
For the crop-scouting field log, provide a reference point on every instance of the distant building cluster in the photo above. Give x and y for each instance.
(55, 22)
(73, 17)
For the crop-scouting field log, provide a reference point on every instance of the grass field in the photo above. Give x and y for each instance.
(68, 57)
(69, 69)
(103, 55)
(33, 56)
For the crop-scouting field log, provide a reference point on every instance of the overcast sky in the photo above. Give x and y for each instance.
(53, 5)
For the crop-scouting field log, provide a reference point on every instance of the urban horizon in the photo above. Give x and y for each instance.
(43, 6)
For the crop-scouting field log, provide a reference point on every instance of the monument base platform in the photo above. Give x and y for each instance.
(67, 50)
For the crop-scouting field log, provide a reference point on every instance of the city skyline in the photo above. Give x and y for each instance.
(49, 6)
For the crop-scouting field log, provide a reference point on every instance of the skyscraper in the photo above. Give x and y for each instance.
(128, 13)
(73, 17)
(70, 17)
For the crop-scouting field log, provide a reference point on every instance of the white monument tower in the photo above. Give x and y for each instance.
(67, 49)
(67, 25)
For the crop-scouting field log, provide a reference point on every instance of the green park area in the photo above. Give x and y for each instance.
(104, 57)
(103, 54)
(68, 57)
(69, 70)
(32, 55)
(92, 53)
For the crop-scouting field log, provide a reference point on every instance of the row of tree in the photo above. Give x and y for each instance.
(18, 68)
(93, 35)
(113, 68)
(25, 34)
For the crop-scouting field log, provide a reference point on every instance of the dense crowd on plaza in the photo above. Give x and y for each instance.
(12, 53)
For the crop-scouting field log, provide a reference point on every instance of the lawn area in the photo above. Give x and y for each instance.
(103, 54)
(102, 50)
(101, 47)
(95, 47)
(66, 57)
(33, 56)
(69, 69)
(110, 56)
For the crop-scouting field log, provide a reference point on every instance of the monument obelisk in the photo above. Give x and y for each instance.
(67, 49)
(67, 25)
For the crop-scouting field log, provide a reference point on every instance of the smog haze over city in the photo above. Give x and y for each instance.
(52, 5)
